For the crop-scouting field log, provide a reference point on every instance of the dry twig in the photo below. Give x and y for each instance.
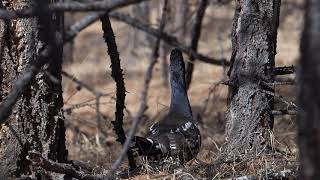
(195, 37)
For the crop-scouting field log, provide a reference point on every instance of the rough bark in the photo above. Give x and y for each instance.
(309, 113)
(249, 116)
(37, 120)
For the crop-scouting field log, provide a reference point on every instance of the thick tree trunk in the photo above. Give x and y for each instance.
(309, 114)
(249, 117)
(37, 120)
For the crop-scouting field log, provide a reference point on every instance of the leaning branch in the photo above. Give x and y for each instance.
(117, 75)
(143, 106)
(134, 126)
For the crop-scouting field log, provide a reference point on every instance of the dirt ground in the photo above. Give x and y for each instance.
(87, 143)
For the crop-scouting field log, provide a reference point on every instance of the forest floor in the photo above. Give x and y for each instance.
(96, 144)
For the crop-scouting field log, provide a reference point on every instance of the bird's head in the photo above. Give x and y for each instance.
(177, 68)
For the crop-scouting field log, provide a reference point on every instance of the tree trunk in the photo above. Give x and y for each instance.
(309, 113)
(249, 117)
(37, 122)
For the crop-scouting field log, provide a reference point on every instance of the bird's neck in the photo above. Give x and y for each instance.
(179, 99)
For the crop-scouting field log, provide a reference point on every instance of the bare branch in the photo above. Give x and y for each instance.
(82, 105)
(284, 112)
(82, 24)
(195, 37)
(284, 70)
(117, 75)
(143, 106)
(80, 83)
(94, 92)
(126, 145)
(171, 40)
(105, 5)
(278, 82)
(285, 79)
(279, 97)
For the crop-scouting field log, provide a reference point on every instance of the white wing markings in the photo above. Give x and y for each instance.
(187, 126)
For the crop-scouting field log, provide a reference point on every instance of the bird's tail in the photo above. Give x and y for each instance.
(146, 147)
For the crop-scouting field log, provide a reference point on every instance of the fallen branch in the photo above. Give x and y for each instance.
(117, 75)
(62, 168)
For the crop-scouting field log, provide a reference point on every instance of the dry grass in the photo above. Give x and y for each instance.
(92, 66)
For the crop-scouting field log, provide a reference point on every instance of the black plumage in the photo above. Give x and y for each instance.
(176, 135)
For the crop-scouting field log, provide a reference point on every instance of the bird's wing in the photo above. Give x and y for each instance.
(181, 139)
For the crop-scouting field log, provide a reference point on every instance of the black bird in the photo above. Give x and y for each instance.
(176, 135)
